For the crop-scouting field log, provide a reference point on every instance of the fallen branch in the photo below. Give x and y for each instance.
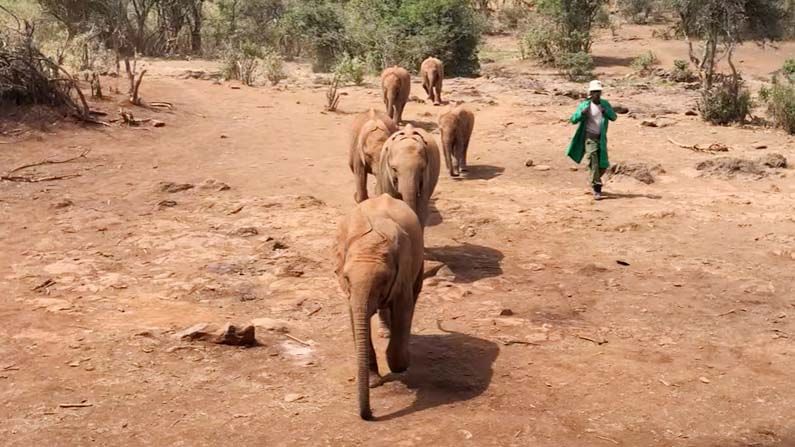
(714, 147)
(23, 179)
(50, 162)
(509, 342)
(161, 104)
(80, 405)
(296, 339)
(598, 342)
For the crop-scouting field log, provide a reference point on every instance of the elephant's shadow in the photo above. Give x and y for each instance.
(446, 368)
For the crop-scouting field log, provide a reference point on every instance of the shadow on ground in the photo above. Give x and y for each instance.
(482, 172)
(469, 262)
(446, 368)
(428, 126)
(618, 195)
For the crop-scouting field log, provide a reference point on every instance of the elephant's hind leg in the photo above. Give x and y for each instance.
(385, 320)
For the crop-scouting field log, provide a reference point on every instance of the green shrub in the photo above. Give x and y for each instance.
(637, 11)
(317, 26)
(780, 100)
(645, 62)
(576, 66)
(350, 69)
(512, 16)
(273, 66)
(405, 32)
(537, 42)
(242, 64)
(726, 102)
(789, 69)
(682, 72)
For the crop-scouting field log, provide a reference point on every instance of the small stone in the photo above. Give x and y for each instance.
(245, 232)
(529, 163)
(445, 273)
(231, 335)
(172, 187)
(224, 136)
(194, 332)
(760, 146)
(506, 313)
(691, 113)
(65, 203)
(470, 232)
(648, 123)
(271, 325)
(542, 168)
(166, 204)
(156, 123)
(621, 110)
(293, 397)
(703, 379)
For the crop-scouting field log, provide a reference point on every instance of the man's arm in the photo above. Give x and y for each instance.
(608, 111)
(580, 113)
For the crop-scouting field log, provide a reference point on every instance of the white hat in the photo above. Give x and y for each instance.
(594, 86)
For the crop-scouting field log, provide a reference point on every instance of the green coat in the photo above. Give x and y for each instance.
(576, 148)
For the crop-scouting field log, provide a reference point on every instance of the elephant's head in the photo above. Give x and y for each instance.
(367, 270)
(373, 135)
(404, 168)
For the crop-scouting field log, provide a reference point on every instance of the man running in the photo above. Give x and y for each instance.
(590, 140)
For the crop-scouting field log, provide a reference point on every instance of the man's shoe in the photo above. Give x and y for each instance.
(597, 196)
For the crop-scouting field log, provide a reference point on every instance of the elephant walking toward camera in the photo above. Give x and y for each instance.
(379, 266)
(432, 73)
(409, 169)
(456, 127)
(370, 131)
(396, 85)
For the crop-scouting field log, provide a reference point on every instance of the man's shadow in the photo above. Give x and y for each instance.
(618, 195)
(446, 368)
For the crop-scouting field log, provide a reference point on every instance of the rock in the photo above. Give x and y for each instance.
(691, 113)
(271, 325)
(231, 335)
(64, 203)
(432, 268)
(542, 168)
(293, 397)
(639, 171)
(760, 146)
(506, 313)
(444, 273)
(166, 204)
(774, 161)
(621, 110)
(172, 187)
(529, 163)
(156, 123)
(649, 123)
(245, 232)
(195, 332)
(215, 185)
(704, 380)
(470, 232)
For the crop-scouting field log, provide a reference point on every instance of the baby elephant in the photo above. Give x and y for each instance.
(369, 133)
(410, 169)
(432, 73)
(396, 84)
(379, 266)
(456, 127)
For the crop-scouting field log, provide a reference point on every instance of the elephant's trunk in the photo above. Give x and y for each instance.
(361, 335)
(410, 192)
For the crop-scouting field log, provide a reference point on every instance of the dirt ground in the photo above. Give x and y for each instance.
(687, 341)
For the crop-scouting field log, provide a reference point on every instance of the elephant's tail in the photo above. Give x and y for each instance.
(392, 96)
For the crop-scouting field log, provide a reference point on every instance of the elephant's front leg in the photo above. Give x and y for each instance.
(397, 353)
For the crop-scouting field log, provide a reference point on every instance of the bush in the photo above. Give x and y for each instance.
(637, 11)
(242, 64)
(576, 66)
(780, 100)
(512, 16)
(789, 69)
(273, 66)
(645, 62)
(682, 72)
(537, 43)
(405, 32)
(317, 26)
(350, 69)
(726, 102)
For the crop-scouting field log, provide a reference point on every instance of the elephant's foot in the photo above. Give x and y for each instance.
(437, 103)
(383, 331)
(375, 380)
(454, 174)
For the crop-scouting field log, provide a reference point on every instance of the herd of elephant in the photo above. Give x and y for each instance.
(380, 243)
